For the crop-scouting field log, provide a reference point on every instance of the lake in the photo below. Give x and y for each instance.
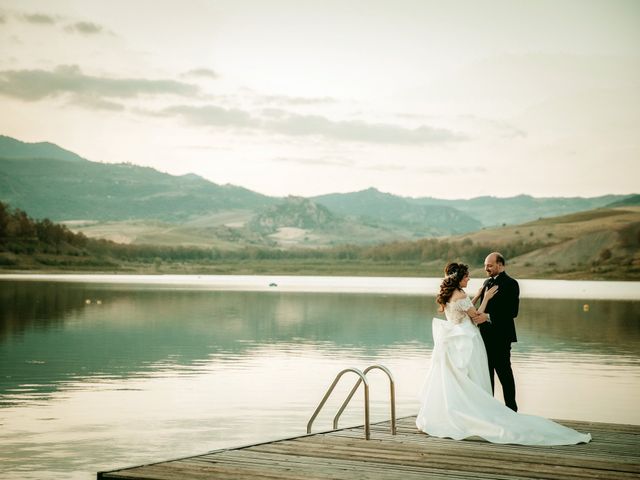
(101, 372)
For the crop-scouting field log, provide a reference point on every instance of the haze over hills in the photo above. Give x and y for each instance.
(493, 211)
(388, 209)
(137, 204)
(600, 240)
(52, 186)
(596, 244)
(631, 200)
(12, 148)
(299, 221)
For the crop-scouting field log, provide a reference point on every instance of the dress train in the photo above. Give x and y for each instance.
(456, 399)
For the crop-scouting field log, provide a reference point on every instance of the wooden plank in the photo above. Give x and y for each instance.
(471, 451)
(614, 454)
(451, 461)
(599, 443)
(358, 465)
(353, 467)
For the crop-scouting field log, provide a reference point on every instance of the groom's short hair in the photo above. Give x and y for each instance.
(500, 258)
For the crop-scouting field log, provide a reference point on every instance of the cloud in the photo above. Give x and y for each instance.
(274, 113)
(449, 170)
(387, 167)
(217, 148)
(358, 131)
(436, 169)
(202, 72)
(33, 85)
(332, 162)
(260, 98)
(212, 115)
(42, 19)
(38, 19)
(292, 124)
(84, 28)
(284, 100)
(96, 103)
(502, 128)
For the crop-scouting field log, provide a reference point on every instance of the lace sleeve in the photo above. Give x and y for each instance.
(456, 312)
(464, 304)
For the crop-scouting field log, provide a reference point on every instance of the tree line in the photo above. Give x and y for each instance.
(20, 234)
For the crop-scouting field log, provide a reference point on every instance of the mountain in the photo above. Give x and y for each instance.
(12, 148)
(51, 182)
(494, 211)
(373, 206)
(631, 200)
(596, 244)
(601, 242)
(134, 204)
(462, 215)
(83, 190)
(294, 212)
(298, 221)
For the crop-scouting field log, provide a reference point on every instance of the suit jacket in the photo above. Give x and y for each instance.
(503, 308)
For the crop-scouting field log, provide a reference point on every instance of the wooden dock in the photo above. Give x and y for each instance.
(614, 453)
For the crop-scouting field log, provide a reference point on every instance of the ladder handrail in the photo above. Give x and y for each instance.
(392, 392)
(362, 379)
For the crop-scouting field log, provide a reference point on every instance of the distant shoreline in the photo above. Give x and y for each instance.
(345, 267)
(530, 288)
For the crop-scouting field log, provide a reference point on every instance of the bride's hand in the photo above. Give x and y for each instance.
(489, 294)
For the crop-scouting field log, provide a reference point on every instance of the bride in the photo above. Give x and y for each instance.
(456, 400)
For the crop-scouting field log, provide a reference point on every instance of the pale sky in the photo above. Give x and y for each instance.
(450, 99)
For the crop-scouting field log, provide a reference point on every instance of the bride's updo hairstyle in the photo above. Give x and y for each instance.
(454, 273)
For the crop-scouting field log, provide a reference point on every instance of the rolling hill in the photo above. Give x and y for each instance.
(632, 200)
(602, 242)
(83, 190)
(134, 204)
(494, 211)
(375, 207)
(12, 148)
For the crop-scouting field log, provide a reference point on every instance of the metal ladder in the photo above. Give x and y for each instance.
(362, 379)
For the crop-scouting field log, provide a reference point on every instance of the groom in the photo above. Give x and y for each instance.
(500, 331)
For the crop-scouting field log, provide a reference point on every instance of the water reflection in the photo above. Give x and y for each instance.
(50, 335)
(608, 327)
(153, 374)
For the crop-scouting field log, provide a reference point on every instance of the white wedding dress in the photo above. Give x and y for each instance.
(456, 400)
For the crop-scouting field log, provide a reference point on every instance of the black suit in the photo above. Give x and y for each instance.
(501, 332)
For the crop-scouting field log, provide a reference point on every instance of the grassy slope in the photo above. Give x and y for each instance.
(205, 231)
(217, 231)
(574, 244)
(572, 248)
